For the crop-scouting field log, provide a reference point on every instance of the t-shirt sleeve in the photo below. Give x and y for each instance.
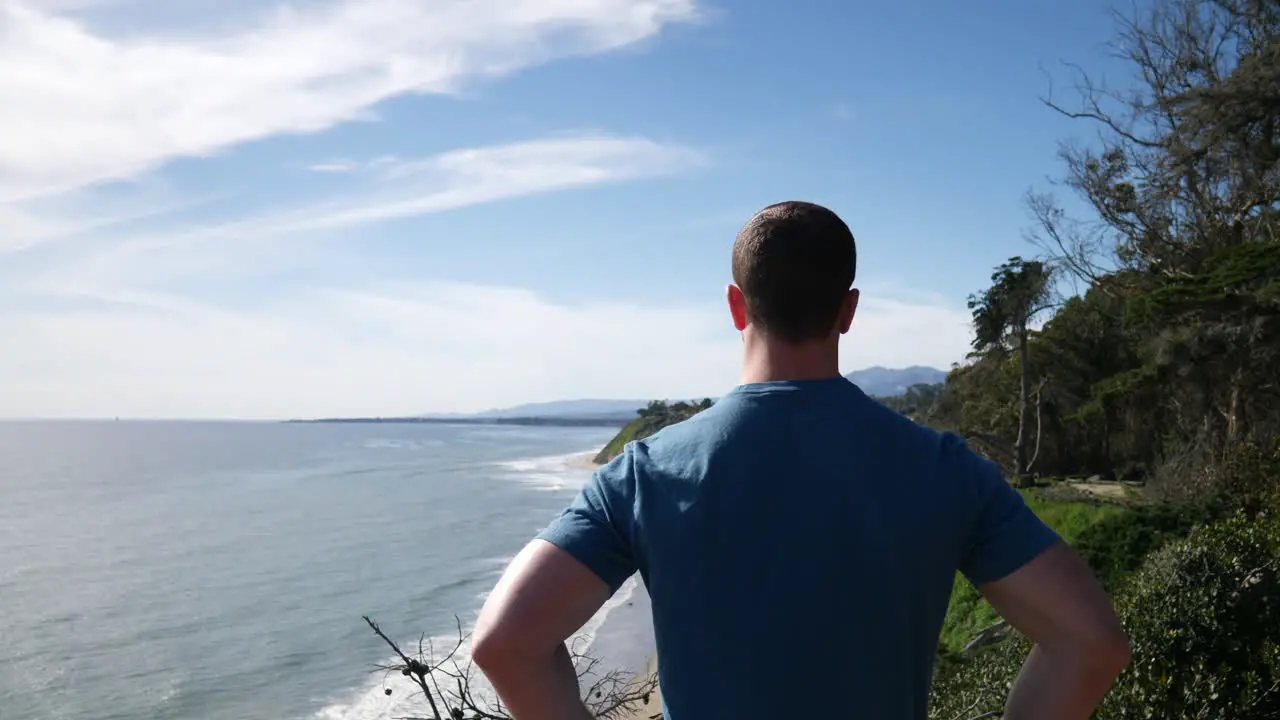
(596, 528)
(1003, 534)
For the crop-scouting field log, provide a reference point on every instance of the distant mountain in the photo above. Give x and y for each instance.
(606, 409)
(877, 381)
(888, 382)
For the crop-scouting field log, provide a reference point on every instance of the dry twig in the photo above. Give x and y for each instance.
(446, 681)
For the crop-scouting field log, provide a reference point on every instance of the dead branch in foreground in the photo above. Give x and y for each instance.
(446, 681)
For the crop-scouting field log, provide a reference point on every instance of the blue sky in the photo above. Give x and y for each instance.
(233, 208)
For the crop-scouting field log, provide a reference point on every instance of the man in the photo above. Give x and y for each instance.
(798, 539)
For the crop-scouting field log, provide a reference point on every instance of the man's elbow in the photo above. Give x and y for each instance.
(490, 649)
(1115, 652)
(1106, 652)
(1098, 648)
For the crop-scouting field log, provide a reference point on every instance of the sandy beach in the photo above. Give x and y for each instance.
(584, 461)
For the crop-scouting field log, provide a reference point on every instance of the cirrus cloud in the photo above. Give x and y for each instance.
(96, 107)
(105, 300)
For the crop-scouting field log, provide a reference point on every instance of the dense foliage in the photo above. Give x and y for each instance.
(1203, 618)
(1161, 366)
(918, 400)
(1171, 352)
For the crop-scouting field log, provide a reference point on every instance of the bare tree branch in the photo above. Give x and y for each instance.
(446, 681)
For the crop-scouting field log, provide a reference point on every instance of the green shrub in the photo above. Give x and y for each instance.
(1245, 476)
(1249, 476)
(1118, 544)
(977, 685)
(1203, 617)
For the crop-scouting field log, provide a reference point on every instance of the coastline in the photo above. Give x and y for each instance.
(584, 460)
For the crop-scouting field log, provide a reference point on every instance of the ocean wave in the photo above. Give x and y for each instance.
(551, 472)
(547, 473)
(401, 444)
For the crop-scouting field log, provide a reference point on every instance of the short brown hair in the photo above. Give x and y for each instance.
(794, 262)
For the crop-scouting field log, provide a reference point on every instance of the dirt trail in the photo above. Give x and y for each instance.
(1107, 490)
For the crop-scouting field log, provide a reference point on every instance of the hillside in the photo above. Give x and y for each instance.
(593, 408)
(651, 418)
(876, 381)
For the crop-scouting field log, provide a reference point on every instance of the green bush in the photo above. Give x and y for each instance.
(1245, 476)
(978, 685)
(1117, 545)
(1249, 476)
(1203, 617)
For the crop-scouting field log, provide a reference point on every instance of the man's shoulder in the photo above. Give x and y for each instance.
(869, 423)
(940, 453)
(674, 445)
(692, 429)
(884, 422)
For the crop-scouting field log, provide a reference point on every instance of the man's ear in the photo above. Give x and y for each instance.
(737, 306)
(848, 310)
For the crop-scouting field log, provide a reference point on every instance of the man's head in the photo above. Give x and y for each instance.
(793, 268)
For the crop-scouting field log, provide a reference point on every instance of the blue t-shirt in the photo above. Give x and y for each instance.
(799, 541)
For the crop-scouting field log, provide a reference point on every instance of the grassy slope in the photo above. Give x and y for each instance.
(1113, 536)
(968, 612)
(641, 428)
(635, 430)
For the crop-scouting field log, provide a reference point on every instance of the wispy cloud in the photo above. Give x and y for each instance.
(399, 188)
(92, 106)
(334, 166)
(347, 165)
(24, 225)
(478, 175)
(110, 332)
(105, 306)
(96, 107)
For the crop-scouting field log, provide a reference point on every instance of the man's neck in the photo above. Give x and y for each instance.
(764, 361)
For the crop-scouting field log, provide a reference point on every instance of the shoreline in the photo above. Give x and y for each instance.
(584, 460)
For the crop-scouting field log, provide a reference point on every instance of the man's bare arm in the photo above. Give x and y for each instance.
(544, 597)
(1080, 646)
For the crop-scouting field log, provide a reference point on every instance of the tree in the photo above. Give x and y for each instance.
(1002, 315)
(1186, 166)
(1184, 189)
(917, 402)
(655, 408)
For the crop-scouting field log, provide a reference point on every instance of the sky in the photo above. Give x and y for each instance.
(247, 209)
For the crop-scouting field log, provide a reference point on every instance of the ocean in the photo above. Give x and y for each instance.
(220, 570)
